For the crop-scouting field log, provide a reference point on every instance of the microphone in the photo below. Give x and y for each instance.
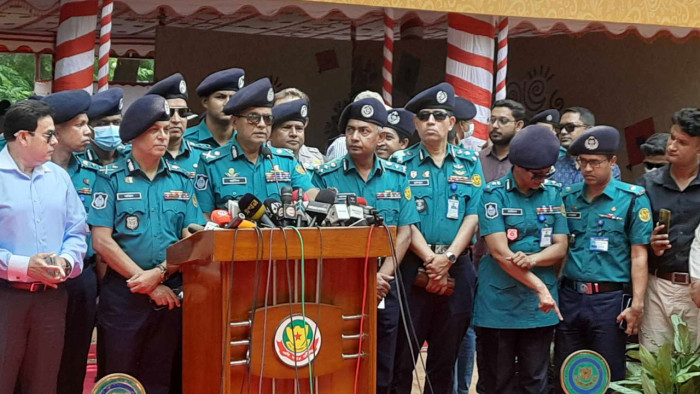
(318, 209)
(221, 217)
(232, 207)
(275, 210)
(253, 209)
(337, 215)
(355, 210)
(266, 152)
(286, 195)
(241, 222)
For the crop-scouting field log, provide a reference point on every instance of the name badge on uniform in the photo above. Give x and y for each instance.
(545, 237)
(573, 215)
(418, 182)
(599, 244)
(128, 196)
(453, 208)
(512, 212)
(389, 195)
(236, 180)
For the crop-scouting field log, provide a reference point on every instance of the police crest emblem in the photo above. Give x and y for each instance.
(132, 222)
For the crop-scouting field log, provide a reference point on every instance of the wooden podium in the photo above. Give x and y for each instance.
(244, 323)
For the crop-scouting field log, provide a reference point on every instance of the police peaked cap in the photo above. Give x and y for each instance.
(172, 87)
(598, 140)
(550, 116)
(401, 120)
(257, 94)
(107, 103)
(464, 109)
(291, 110)
(440, 96)
(229, 79)
(534, 147)
(368, 110)
(142, 114)
(68, 104)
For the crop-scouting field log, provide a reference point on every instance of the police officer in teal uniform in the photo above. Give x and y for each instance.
(138, 210)
(70, 117)
(105, 115)
(247, 164)
(215, 128)
(182, 153)
(446, 182)
(522, 219)
(385, 186)
(610, 224)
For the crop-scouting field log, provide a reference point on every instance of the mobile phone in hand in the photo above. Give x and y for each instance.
(665, 219)
(626, 303)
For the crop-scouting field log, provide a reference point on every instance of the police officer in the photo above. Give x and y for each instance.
(465, 111)
(399, 132)
(288, 131)
(447, 183)
(138, 210)
(548, 118)
(181, 152)
(522, 219)
(70, 117)
(105, 115)
(215, 128)
(610, 224)
(246, 164)
(385, 186)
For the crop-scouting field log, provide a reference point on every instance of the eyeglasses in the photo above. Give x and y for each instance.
(439, 116)
(182, 112)
(582, 163)
(51, 134)
(570, 127)
(536, 176)
(651, 166)
(501, 120)
(254, 118)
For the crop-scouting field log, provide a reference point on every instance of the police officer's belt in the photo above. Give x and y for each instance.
(591, 287)
(31, 287)
(679, 278)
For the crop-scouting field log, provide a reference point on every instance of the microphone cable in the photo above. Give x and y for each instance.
(291, 310)
(258, 257)
(265, 306)
(364, 304)
(303, 296)
(225, 373)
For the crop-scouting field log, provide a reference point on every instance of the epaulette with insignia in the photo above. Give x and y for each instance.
(404, 155)
(217, 153)
(282, 152)
(84, 163)
(634, 189)
(199, 145)
(111, 169)
(176, 168)
(549, 182)
(393, 166)
(571, 189)
(331, 166)
(493, 185)
(466, 154)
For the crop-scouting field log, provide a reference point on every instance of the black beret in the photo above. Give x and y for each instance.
(656, 144)
(68, 104)
(534, 147)
(142, 114)
(464, 109)
(172, 87)
(598, 140)
(401, 120)
(229, 79)
(291, 110)
(550, 116)
(440, 96)
(368, 110)
(106, 103)
(257, 94)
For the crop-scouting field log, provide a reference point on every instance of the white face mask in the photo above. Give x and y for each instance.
(470, 131)
(107, 137)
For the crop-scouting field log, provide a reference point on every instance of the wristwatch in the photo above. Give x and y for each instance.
(450, 257)
(67, 268)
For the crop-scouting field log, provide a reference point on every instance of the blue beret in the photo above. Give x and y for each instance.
(172, 87)
(229, 79)
(257, 94)
(142, 114)
(291, 110)
(534, 147)
(368, 110)
(107, 103)
(598, 140)
(68, 104)
(464, 109)
(402, 121)
(440, 96)
(550, 116)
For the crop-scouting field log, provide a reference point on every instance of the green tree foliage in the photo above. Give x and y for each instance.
(16, 76)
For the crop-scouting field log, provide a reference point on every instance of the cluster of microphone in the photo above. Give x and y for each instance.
(328, 209)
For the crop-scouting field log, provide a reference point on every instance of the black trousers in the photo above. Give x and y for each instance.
(80, 322)
(442, 321)
(497, 350)
(134, 338)
(31, 339)
(590, 323)
(387, 330)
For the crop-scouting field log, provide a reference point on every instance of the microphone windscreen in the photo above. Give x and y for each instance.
(361, 201)
(251, 207)
(326, 195)
(221, 217)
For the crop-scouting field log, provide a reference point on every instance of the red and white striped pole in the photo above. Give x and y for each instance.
(502, 59)
(75, 45)
(470, 54)
(105, 44)
(388, 65)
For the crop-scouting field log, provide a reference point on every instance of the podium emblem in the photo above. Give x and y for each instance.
(118, 383)
(585, 371)
(297, 340)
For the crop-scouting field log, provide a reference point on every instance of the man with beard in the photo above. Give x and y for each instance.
(181, 152)
(573, 122)
(507, 118)
(400, 131)
(73, 134)
(215, 90)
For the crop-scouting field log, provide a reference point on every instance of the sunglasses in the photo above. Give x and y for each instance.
(182, 112)
(570, 127)
(48, 136)
(439, 116)
(254, 118)
(651, 166)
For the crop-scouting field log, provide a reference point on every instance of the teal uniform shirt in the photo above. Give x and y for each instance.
(3, 141)
(562, 152)
(201, 134)
(83, 175)
(501, 301)
(188, 156)
(146, 216)
(604, 229)
(226, 174)
(90, 155)
(444, 195)
(386, 188)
